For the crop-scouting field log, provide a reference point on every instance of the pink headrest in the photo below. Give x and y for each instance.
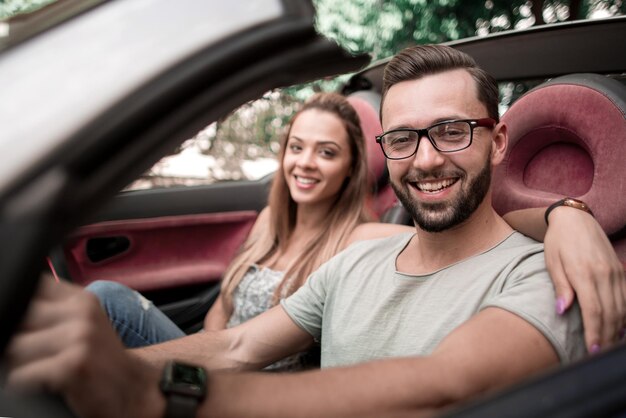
(567, 137)
(382, 198)
(370, 124)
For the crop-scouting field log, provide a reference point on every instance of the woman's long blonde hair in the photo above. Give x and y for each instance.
(345, 214)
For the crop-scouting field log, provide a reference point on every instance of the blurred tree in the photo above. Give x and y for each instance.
(253, 131)
(383, 27)
(9, 8)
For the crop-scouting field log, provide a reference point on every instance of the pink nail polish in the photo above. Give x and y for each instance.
(560, 306)
(595, 348)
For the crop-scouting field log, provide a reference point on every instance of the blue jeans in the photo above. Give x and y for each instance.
(137, 321)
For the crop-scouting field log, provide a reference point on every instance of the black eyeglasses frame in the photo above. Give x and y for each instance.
(473, 123)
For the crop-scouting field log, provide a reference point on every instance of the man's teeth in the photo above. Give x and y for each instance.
(435, 186)
(305, 180)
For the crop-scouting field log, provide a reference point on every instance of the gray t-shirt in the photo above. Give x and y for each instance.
(361, 308)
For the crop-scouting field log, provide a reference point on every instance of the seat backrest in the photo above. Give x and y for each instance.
(567, 138)
(382, 198)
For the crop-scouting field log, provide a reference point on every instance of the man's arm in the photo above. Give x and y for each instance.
(493, 349)
(375, 230)
(582, 263)
(252, 345)
(67, 346)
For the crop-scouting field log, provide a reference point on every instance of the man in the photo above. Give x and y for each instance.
(463, 306)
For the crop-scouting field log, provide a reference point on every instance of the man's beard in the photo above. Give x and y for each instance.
(438, 217)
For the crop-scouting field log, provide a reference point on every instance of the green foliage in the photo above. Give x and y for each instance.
(384, 27)
(10, 8)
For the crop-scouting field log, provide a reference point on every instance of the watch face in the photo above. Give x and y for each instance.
(577, 204)
(188, 374)
(184, 379)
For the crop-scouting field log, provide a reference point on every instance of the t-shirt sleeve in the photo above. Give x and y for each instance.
(306, 306)
(529, 293)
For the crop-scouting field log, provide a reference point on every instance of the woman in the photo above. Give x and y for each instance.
(315, 205)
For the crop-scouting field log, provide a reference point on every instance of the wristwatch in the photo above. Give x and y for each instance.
(569, 202)
(184, 387)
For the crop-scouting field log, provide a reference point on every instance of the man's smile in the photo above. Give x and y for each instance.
(434, 186)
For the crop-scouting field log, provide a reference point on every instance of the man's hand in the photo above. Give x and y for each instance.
(582, 263)
(66, 345)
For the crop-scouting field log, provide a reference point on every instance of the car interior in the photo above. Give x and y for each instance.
(174, 245)
(567, 138)
(556, 150)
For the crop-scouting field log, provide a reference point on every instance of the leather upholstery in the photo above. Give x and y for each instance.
(382, 199)
(567, 137)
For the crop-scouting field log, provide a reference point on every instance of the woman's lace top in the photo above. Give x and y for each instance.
(252, 297)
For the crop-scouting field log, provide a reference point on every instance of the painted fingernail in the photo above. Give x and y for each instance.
(560, 305)
(595, 348)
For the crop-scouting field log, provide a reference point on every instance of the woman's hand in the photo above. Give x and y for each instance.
(582, 263)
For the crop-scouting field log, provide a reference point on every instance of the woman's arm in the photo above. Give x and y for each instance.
(582, 263)
(374, 230)
(217, 317)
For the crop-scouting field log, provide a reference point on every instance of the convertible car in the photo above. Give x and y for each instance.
(94, 93)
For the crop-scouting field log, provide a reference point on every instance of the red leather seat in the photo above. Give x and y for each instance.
(567, 137)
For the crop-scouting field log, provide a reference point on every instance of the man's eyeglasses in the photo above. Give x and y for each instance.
(447, 136)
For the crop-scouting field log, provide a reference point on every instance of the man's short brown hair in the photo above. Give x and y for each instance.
(421, 60)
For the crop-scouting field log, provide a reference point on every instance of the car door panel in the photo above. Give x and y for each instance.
(158, 253)
(172, 245)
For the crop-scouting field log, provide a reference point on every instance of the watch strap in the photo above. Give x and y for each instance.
(179, 406)
(569, 202)
(184, 387)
